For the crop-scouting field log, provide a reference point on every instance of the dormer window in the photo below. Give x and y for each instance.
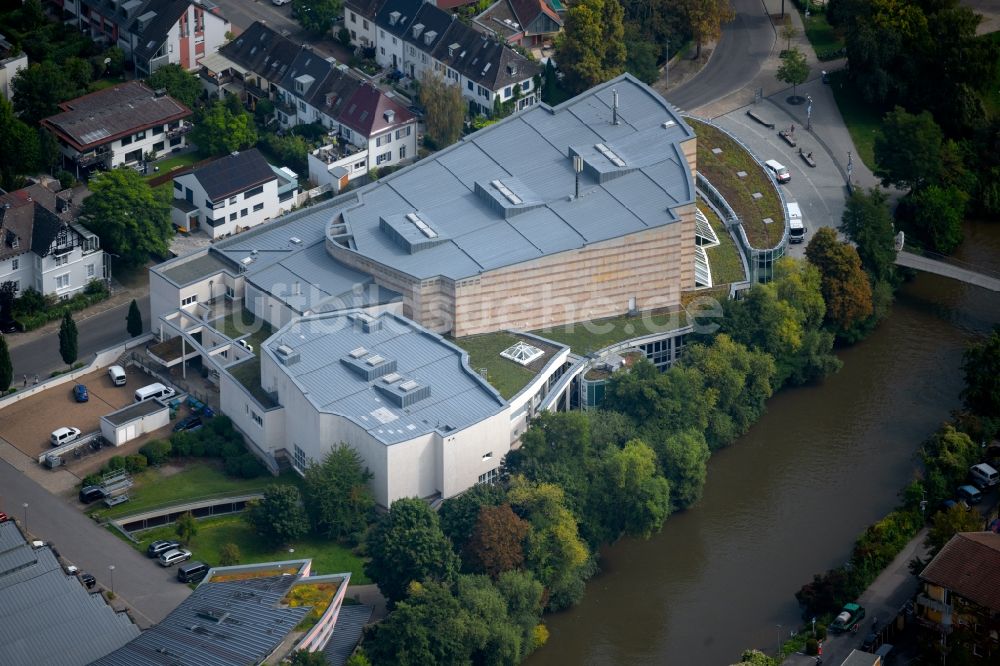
(452, 48)
(394, 18)
(430, 37)
(417, 29)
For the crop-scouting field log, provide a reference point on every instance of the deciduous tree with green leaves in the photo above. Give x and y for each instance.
(937, 215)
(794, 69)
(846, 290)
(133, 322)
(908, 150)
(946, 524)
(705, 19)
(68, 348)
(316, 16)
(592, 47)
(629, 496)
(278, 517)
(406, 545)
(38, 90)
(445, 109)
(6, 367)
(684, 459)
(339, 502)
(179, 83)
(981, 365)
(867, 223)
(18, 145)
(186, 527)
(220, 130)
(132, 219)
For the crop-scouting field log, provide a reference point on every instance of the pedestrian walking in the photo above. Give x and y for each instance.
(793, 129)
(36, 379)
(25, 381)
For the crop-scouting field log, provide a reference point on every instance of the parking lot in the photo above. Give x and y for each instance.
(27, 424)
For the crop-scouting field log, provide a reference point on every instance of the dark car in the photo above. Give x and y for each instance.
(90, 494)
(416, 110)
(188, 423)
(88, 580)
(869, 643)
(157, 548)
(10, 327)
(80, 393)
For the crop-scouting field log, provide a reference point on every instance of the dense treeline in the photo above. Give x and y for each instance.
(923, 64)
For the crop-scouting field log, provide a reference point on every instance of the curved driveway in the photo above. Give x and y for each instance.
(745, 44)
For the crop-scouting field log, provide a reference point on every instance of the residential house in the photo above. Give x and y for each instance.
(231, 194)
(415, 37)
(525, 23)
(41, 245)
(11, 62)
(961, 593)
(152, 33)
(118, 126)
(250, 66)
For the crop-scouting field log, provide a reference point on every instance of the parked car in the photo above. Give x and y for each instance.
(80, 393)
(157, 548)
(188, 423)
(868, 644)
(278, 3)
(88, 580)
(62, 436)
(90, 494)
(175, 556)
(10, 327)
(3, 517)
(117, 375)
(970, 494)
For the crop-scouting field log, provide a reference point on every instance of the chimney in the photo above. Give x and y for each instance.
(577, 167)
(297, 288)
(614, 109)
(389, 115)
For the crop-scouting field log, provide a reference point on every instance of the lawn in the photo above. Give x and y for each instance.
(328, 556)
(504, 375)
(244, 325)
(862, 119)
(198, 480)
(727, 266)
(720, 169)
(823, 37)
(590, 336)
(173, 163)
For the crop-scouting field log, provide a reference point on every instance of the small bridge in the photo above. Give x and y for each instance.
(930, 262)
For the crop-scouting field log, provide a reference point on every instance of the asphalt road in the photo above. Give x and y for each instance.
(40, 355)
(745, 44)
(147, 588)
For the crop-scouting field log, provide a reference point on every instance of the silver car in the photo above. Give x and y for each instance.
(172, 557)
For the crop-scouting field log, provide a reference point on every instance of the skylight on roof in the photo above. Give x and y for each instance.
(359, 352)
(374, 360)
(506, 191)
(610, 154)
(421, 225)
(408, 385)
(392, 378)
(522, 353)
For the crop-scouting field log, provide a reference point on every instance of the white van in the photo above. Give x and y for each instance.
(984, 476)
(153, 391)
(117, 374)
(779, 171)
(796, 228)
(63, 436)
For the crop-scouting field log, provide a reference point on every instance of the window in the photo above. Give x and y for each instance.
(487, 456)
(14, 263)
(299, 459)
(402, 152)
(232, 200)
(258, 207)
(17, 286)
(413, 51)
(354, 17)
(243, 213)
(423, 58)
(232, 216)
(139, 136)
(178, 186)
(525, 85)
(176, 141)
(384, 157)
(157, 131)
(257, 418)
(405, 131)
(359, 165)
(62, 281)
(490, 476)
(62, 259)
(345, 132)
(126, 140)
(364, 24)
(381, 33)
(508, 91)
(90, 270)
(393, 41)
(250, 193)
(471, 85)
(382, 49)
(158, 146)
(193, 298)
(230, 292)
(483, 92)
(302, 106)
(211, 205)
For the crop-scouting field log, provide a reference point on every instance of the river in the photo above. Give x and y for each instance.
(789, 498)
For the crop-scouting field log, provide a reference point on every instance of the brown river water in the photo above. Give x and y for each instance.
(790, 497)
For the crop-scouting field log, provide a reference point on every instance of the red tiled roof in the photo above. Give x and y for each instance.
(364, 111)
(969, 566)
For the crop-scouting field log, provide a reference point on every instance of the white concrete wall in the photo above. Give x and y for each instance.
(463, 451)
(165, 297)
(237, 211)
(399, 139)
(23, 274)
(79, 268)
(319, 171)
(126, 432)
(8, 70)
(362, 29)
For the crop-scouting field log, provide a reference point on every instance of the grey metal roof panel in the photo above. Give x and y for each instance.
(193, 267)
(598, 216)
(351, 621)
(426, 188)
(458, 397)
(469, 163)
(498, 245)
(234, 173)
(519, 144)
(546, 230)
(319, 277)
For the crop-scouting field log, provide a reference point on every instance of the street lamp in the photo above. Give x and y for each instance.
(25, 505)
(111, 568)
(809, 111)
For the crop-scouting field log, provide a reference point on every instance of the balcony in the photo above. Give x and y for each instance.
(183, 129)
(89, 159)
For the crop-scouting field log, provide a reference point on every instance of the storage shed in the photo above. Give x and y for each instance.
(130, 422)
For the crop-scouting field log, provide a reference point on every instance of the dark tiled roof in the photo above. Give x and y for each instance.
(47, 227)
(486, 61)
(351, 622)
(526, 11)
(306, 63)
(103, 116)
(16, 223)
(233, 174)
(152, 36)
(969, 566)
(33, 219)
(262, 50)
(364, 7)
(366, 110)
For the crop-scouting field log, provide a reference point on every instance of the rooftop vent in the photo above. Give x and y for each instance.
(389, 115)
(504, 190)
(394, 18)
(392, 378)
(669, 123)
(408, 385)
(610, 154)
(295, 240)
(374, 360)
(287, 355)
(358, 353)
(452, 48)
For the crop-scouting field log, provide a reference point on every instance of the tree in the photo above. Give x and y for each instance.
(592, 47)
(846, 290)
(908, 149)
(132, 219)
(179, 83)
(981, 366)
(134, 320)
(948, 523)
(307, 658)
(496, 545)
(340, 503)
(18, 145)
(458, 515)
(938, 213)
(705, 19)
(68, 347)
(664, 402)
(406, 545)
(867, 223)
(631, 497)
(221, 131)
(684, 459)
(279, 517)
(316, 16)
(8, 293)
(229, 555)
(445, 109)
(640, 59)
(788, 31)
(186, 527)
(38, 89)
(948, 453)
(794, 69)
(6, 367)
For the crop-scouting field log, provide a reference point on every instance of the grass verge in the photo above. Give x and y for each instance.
(198, 480)
(721, 169)
(589, 336)
(861, 118)
(504, 375)
(823, 37)
(328, 557)
(727, 266)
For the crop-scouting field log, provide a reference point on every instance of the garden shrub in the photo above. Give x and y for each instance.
(135, 463)
(157, 451)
